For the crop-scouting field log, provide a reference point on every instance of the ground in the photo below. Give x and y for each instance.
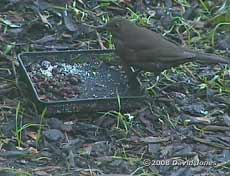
(183, 128)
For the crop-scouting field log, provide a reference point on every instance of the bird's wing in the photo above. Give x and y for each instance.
(159, 55)
(152, 47)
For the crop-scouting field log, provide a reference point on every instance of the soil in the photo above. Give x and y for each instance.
(183, 128)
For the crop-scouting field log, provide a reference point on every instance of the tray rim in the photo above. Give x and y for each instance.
(97, 51)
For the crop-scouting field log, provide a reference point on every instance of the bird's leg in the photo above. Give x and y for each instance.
(133, 82)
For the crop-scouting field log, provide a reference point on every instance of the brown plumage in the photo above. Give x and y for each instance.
(149, 51)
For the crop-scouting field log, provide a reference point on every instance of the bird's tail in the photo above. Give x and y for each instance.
(210, 58)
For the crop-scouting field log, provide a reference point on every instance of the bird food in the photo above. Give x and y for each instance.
(70, 81)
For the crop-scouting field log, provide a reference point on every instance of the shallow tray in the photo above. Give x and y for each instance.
(102, 83)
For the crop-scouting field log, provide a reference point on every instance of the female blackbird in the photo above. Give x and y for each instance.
(149, 51)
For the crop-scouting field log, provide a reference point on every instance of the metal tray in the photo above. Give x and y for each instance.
(112, 82)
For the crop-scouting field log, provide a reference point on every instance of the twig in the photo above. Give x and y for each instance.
(202, 141)
(100, 41)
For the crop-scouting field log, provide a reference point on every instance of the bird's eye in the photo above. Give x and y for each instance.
(116, 26)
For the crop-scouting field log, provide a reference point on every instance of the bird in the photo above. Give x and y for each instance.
(147, 50)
